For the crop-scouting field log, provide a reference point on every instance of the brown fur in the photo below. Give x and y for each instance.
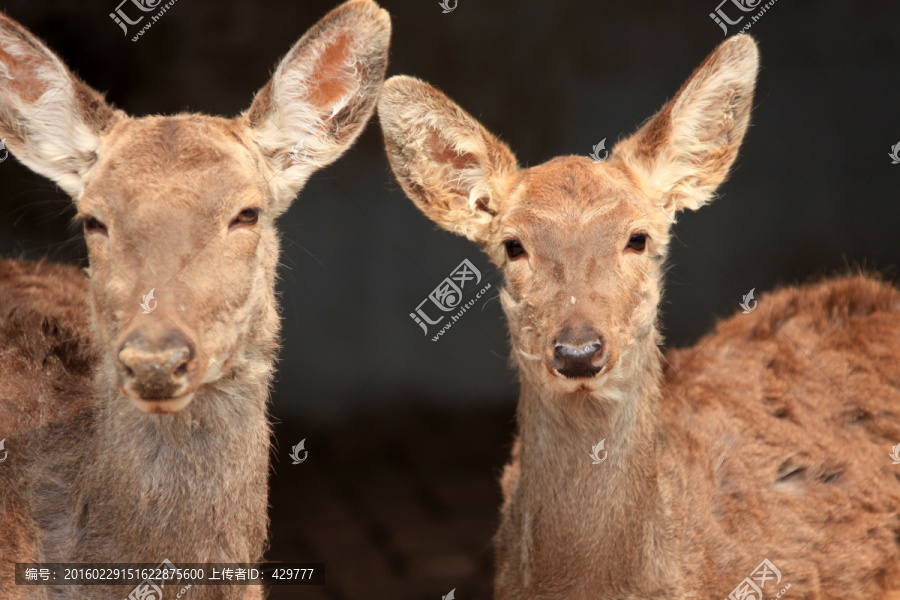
(92, 476)
(769, 439)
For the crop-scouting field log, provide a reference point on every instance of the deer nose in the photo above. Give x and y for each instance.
(156, 369)
(578, 353)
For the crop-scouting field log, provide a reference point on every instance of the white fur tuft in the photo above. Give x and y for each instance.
(48, 133)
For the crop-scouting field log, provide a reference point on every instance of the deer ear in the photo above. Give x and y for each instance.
(682, 154)
(451, 167)
(49, 119)
(322, 94)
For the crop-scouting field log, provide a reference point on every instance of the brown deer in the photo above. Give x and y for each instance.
(133, 399)
(768, 441)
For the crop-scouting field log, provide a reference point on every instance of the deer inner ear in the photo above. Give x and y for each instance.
(482, 205)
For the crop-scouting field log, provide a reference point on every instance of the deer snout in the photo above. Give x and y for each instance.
(156, 369)
(579, 353)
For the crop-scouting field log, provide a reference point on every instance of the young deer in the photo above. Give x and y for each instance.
(136, 423)
(770, 440)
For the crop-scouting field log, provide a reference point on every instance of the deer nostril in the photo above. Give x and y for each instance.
(181, 370)
(578, 361)
(559, 358)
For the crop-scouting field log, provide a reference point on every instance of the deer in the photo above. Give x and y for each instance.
(754, 462)
(133, 394)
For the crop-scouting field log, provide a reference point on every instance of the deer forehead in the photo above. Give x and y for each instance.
(571, 200)
(192, 164)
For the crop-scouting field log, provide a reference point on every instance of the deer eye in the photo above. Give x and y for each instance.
(93, 225)
(637, 242)
(246, 218)
(514, 249)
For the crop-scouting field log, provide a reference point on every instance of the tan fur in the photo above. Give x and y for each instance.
(90, 478)
(769, 439)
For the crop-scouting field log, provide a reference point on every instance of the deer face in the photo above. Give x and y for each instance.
(581, 245)
(581, 249)
(179, 212)
(183, 250)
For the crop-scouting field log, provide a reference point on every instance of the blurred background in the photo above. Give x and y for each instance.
(398, 495)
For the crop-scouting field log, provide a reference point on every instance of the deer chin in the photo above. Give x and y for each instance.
(556, 385)
(162, 407)
(609, 385)
(580, 385)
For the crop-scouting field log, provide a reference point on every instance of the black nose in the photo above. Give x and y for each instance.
(155, 369)
(578, 353)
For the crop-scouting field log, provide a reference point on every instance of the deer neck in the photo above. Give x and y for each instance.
(189, 486)
(605, 519)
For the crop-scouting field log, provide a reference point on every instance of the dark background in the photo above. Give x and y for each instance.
(398, 493)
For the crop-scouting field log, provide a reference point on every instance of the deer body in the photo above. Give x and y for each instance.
(767, 441)
(138, 425)
(725, 463)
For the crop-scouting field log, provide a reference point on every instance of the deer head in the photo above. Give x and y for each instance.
(581, 245)
(185, 206)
